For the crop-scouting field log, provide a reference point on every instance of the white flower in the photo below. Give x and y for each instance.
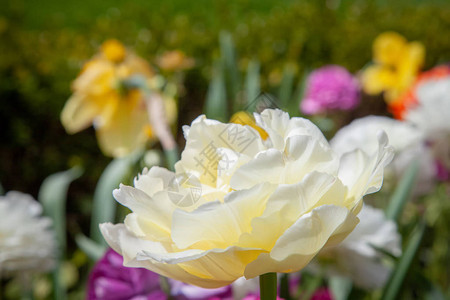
(27, 244)
(356, 256)
(407, 140)
(432, 115)
(260, 206)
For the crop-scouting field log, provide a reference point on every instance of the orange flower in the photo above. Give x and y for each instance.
(409, 99)
(175, 60)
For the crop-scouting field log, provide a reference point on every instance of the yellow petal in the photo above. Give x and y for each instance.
(78, 113)
(244, 118)
(388, 48)
(113, 50)
(125, 129)
(376, 79)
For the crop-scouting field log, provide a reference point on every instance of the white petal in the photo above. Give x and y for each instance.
(216, 224)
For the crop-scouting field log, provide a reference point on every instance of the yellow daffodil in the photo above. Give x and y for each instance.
(102, 98)
(396, 65)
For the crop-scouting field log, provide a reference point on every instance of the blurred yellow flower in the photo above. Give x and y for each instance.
(102, 98)
(396, 66)
(175, 60)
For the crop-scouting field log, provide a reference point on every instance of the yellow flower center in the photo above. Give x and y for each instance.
(113, 50)
(244, 118)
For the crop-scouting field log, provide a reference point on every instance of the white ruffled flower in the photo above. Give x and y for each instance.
(431, 115)
(27, 242)
(241, 206)
(407, 140)
(356, 256)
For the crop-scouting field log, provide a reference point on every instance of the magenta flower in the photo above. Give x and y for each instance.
(109, 279)
(330, 88)
(322, 294)
(183, 291)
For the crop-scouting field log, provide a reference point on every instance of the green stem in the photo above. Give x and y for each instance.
(268, 286)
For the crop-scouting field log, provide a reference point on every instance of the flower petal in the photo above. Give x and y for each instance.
(303, 240)
(216, 224)
(79, 113)
(130, 246)
(125, 130)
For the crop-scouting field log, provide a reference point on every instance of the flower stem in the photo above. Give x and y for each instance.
(268, 286)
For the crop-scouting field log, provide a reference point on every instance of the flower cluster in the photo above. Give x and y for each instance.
(330, 88)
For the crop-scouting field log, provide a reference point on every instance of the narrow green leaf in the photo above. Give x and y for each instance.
(402, 193)
(92, 249)
(228, 53)
(104, 206)
(392, 289)
(287, 86)
(252, 84)
(294, 108)
(340, 287)
(172, 156)
(53, 196)
(216, 106)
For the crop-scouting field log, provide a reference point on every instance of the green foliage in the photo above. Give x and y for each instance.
(53, 196)
(402, 193)
(104, 206)
(395, 283)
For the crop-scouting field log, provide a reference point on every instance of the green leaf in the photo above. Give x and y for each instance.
(92, 249)
(340, 287)
(252, 84)
(287, 86)
(172, 156)
(104, 206)
(392, 289)
(216, 106)
(299, 93)
(53, 196)
(228, 53)
(402, 193)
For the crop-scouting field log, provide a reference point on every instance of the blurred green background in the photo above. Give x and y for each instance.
(43, 45)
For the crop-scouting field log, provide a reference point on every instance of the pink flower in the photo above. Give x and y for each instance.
(330, 88)
(109, 279)
(322, 294)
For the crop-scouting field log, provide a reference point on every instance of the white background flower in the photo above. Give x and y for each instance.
(408, 142)
(431, 115)
(27, 242)
(357, 258)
